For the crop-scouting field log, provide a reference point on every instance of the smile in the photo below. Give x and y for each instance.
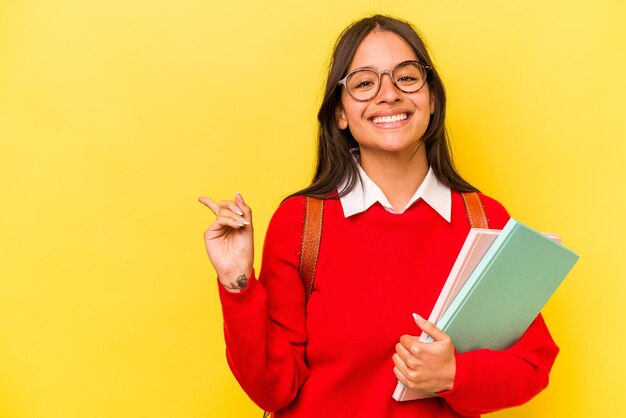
(389, 119)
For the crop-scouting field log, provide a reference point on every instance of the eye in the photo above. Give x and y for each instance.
(407, 79)
(364, 85)
(362, 80)
(408, 74)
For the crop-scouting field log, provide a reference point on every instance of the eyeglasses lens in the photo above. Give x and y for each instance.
(408, 77)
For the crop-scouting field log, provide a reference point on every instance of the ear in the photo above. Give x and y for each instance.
(342, 119)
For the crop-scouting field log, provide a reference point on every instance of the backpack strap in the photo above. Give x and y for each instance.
(312, 233)
(310, 246)
(475, 210)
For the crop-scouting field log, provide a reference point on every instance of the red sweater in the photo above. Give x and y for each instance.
(332, 357)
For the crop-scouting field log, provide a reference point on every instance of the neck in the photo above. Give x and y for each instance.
(398, 175)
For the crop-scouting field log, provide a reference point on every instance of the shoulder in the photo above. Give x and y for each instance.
(496, 212)
(288, 219)
(290, 209)
(290, 214)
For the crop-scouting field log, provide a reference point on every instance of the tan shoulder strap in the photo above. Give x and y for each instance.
(311, 238)
(475, 210)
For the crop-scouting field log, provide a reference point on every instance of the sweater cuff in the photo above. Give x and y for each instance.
(224, 293)
(241, 309)
(465, 375)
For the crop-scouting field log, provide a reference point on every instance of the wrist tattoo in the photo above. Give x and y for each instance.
(240, 284)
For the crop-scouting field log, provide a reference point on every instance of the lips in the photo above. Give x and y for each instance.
(390, 118)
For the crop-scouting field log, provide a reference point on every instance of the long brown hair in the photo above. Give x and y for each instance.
(334, 159)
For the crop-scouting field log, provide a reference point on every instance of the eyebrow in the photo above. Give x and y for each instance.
(367, 67)
(372, 67)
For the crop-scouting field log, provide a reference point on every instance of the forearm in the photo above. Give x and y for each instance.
(489, 380)
(267, 363)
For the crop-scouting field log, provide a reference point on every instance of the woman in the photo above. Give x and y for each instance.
(393, 223)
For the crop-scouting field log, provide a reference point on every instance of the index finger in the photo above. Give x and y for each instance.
(408, 341)
(242, 205)
(209, 204)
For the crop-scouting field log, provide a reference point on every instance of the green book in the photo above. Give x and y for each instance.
(507, 289)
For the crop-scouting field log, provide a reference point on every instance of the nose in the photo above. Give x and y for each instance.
(388, 92)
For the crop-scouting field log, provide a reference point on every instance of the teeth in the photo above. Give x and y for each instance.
(387, 119)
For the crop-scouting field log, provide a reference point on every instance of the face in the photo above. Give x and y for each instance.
(392, 121)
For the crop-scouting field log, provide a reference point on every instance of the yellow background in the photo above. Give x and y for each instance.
(116, 114)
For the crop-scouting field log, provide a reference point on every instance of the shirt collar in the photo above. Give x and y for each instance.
(365, 193)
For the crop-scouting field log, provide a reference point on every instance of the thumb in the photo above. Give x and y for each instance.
(429, 328)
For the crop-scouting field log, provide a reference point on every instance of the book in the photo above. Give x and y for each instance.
(476, 245)
(498, 285)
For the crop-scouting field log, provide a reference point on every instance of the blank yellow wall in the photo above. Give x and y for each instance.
(116, 114)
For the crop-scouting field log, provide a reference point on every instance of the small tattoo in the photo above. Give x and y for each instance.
(242, 283)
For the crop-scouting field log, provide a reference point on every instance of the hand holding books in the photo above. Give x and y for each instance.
(425, 367)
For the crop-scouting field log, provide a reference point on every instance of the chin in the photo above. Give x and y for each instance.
(398, 146)
(394, 148)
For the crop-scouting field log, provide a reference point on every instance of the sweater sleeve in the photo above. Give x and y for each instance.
(489, 380)
(264, 325)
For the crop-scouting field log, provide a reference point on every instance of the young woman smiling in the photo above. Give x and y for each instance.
(393, 222)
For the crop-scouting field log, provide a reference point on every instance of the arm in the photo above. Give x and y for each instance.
(264, 322)
(266, 359)
(480, 381)
(488, 380)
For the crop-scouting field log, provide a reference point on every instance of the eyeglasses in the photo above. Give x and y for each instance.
(363, 84)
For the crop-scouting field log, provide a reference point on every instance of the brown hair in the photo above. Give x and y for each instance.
(334, 159)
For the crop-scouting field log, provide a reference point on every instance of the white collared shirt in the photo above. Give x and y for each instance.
(366, 193)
